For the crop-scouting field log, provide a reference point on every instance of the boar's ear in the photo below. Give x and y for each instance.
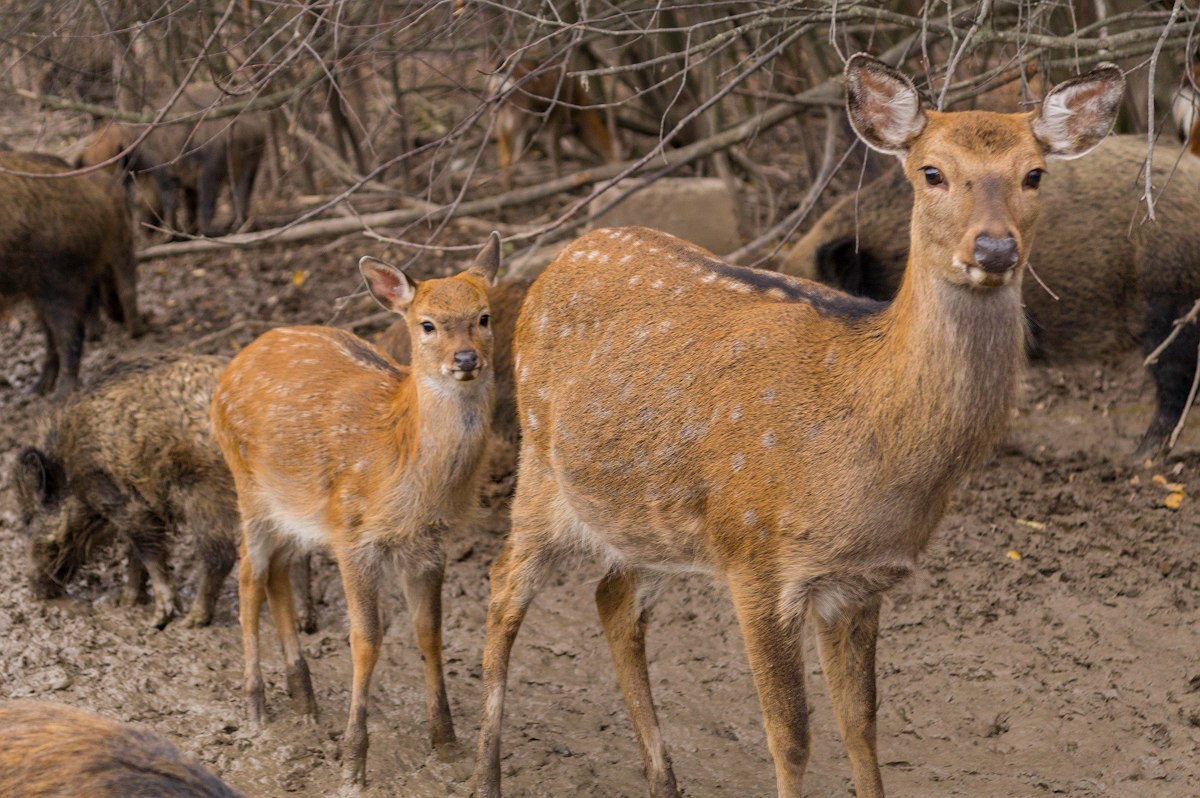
(38, 478)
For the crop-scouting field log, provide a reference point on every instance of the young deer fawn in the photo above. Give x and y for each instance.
(680, 413)
(536, 98)
(333, 444)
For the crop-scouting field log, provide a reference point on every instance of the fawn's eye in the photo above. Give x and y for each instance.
(1034, 178)
(485, 320)
(427, 326)
(933, 177)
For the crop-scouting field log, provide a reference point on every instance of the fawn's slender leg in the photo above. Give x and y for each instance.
(624, 612)
(847, 648)
(252, 578)
(774, 647)
(423, 592)
(279, 598)
(360, 580)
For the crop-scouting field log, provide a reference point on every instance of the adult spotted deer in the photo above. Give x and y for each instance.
(333, 444)
(679, 413)
(542, 98)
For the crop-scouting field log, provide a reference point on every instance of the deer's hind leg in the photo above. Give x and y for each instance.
(624, 599)
(279, 598)
(524, 564)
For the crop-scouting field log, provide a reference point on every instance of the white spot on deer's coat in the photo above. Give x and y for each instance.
(524, 373)
(595, 253)
(768, 395)
(532, 419)
(737, 461)
(665, 325)
(736, 347)
(625, 259)
(577, 254)
(736, 413)
(635, 279)
(776, 293)
(566, 331)
(768, 438)
(750, 518)
(709, 278)
(657, 283)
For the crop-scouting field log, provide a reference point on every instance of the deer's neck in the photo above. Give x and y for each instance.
(951, 357)
(442, 426)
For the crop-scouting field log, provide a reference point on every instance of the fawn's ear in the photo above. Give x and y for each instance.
(883, 105)
(487, 262)
(391, 287)
(1078, 113)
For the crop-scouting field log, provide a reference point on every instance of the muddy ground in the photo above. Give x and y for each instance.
(1047, 646)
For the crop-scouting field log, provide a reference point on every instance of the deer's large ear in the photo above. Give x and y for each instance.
(391, 287)
(487, 262)
(1078, 113)
(883, 105)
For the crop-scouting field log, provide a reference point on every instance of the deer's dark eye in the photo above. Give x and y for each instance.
(1034, 178)
(485, 320)
(933, 176)
(427, 326)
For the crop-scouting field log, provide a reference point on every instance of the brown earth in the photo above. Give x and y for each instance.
(1070, 670)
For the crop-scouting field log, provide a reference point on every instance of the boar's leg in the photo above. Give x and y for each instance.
(306, 617)
(64, 319)
(1173, 372)
(135, 579)
(212, 176)
(49, 373)
(243, 175)
(147, 535)
(216, 561)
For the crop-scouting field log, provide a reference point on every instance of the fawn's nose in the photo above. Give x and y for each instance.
(466, 360)
(995, 254)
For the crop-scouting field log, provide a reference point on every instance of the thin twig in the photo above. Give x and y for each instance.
(1188, 406)
(232, 328)
(1177, 325)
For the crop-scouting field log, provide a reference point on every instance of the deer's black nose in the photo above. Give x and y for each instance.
(466, 360)
(995, 254)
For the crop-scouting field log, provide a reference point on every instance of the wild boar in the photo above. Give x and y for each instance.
(55, 751)
(192, 159)
(66, 243)
(133, 457)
